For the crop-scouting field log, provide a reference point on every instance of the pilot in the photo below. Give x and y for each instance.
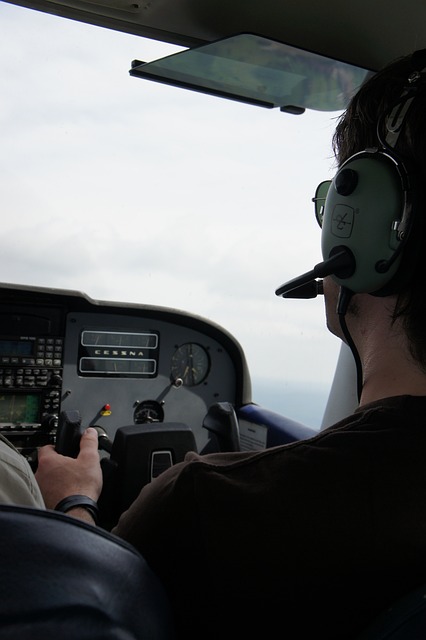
(316, 537)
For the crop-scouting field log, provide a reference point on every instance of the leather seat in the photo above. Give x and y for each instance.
(62, 578)
(404, 620)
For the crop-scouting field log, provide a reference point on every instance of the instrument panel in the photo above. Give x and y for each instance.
(118, 364)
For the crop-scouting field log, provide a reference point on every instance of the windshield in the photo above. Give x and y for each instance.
(134, 191)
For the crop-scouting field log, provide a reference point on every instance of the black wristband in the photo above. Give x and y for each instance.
(72, 502)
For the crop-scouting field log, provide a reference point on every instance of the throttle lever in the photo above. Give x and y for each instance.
(69, 433)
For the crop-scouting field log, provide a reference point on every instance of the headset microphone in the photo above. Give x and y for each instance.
(311, 289)
(341, 262)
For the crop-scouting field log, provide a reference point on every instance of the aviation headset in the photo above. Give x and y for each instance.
(368, 212)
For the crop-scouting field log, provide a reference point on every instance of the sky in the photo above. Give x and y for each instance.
(128, 190)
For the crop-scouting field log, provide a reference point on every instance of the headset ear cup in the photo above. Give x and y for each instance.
(366, 201)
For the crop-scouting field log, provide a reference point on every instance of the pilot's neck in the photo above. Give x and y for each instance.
(387, 364)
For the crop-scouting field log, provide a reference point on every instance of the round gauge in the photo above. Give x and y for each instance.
(190, 364)
(148, 411)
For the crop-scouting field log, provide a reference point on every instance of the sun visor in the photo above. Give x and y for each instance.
(256, 70)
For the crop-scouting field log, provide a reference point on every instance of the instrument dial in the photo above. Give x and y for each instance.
(190, 364)
(148, 411)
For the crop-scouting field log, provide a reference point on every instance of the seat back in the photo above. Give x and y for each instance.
(404, 620)
(62, 578)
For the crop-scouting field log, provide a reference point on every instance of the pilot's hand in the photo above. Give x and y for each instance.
(59, 476)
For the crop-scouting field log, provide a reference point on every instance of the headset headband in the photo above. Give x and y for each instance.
(396, 117)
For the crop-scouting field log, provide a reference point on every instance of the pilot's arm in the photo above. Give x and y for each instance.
(17, 482)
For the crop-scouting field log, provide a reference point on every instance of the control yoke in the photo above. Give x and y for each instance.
(70, 431)
(138, 454)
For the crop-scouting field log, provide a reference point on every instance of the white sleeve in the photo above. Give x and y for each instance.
(17, 481)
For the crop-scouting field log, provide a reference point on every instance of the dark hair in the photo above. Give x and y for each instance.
(359, 128)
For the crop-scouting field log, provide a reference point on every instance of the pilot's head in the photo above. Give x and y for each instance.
(387, 114)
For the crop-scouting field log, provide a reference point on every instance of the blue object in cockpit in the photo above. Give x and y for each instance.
(279, 429)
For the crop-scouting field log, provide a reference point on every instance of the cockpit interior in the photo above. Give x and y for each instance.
(157, 382)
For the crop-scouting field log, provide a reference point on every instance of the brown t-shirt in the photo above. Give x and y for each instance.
(313, 537)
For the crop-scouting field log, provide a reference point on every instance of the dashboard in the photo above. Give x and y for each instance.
(119, 365)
